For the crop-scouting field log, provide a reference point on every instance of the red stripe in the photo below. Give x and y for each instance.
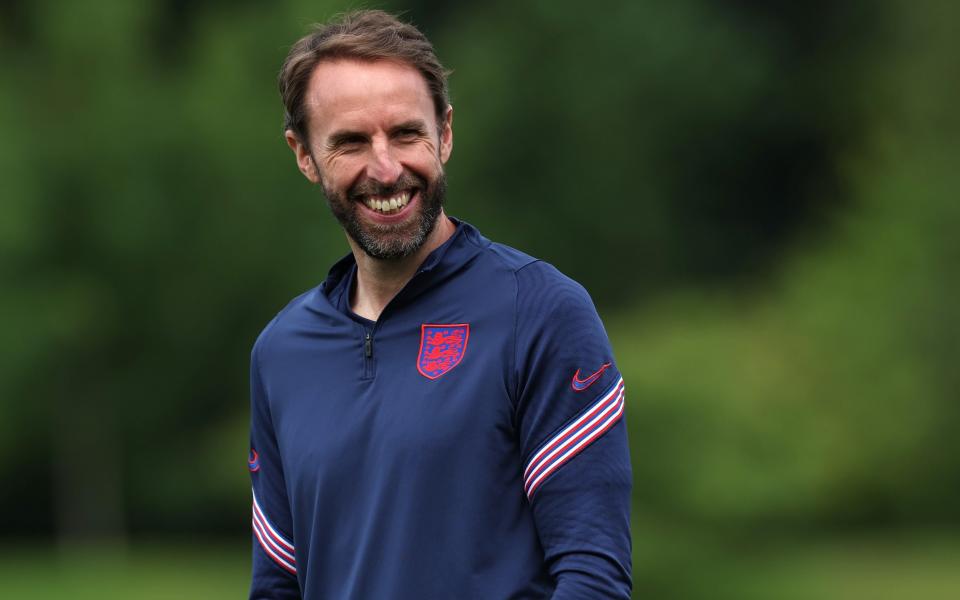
(270, 552)
(570, 440)
(265, 530)
(565, 438)
(592, 438)
(602, 403)
(583, 432)
(273, 535)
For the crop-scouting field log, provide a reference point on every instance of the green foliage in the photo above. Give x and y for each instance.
(764, 195)
(661, 134)
(827, 395)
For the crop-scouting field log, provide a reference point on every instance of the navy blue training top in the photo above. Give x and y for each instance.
(468, 444)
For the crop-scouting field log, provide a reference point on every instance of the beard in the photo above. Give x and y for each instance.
(392, 241)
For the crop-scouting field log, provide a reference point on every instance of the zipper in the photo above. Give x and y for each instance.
(368, 332)
(367, 354)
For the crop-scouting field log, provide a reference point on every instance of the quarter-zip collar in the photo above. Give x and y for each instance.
(333, 295)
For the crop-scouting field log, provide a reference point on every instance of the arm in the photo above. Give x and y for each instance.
(569, 408)
(274, 573)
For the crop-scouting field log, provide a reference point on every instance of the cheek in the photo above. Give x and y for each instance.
(341, 171)
(423, 158)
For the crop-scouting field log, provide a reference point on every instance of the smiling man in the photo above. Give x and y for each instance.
(441, 418)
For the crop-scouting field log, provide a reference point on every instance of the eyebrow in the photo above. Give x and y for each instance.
(415, 124)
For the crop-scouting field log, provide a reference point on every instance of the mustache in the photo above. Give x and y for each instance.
(372, 187)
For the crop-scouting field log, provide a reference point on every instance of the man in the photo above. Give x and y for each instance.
(441, 418)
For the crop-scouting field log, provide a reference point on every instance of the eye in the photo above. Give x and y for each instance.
(408, 134)
(351, 142)
(346, 143)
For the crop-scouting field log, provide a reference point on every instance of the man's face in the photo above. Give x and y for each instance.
(376, 150)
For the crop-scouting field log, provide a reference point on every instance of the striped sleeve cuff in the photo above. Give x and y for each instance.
(275, 545)
(573, 438)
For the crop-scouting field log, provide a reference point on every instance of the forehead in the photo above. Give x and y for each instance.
(360, 95)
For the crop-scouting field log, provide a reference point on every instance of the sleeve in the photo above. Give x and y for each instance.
(573, 439)
(274, 573)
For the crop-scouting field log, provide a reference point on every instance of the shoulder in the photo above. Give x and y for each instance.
(545, 297)
(505, 257)
(541, 278)
(530, 272)
(544, 292)
(282, 321)
(541, 289)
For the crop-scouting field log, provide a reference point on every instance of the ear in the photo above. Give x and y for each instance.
(446, 136)
(304, 157)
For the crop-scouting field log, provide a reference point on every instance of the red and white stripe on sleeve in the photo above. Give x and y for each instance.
(574, 438)
(275, 545)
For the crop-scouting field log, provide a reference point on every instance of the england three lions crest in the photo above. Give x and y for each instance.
(441, 348)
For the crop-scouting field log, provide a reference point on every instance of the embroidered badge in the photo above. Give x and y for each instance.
(253, 462)
(441, 348)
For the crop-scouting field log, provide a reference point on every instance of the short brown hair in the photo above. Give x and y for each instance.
(364, 35)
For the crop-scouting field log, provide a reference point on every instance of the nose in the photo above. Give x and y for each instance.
(384, 166)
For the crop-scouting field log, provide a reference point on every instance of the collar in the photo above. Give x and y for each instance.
(449, 258)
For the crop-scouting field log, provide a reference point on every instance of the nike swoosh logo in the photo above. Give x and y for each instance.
(579, 385)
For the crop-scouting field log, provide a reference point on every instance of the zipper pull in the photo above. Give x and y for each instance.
(368, 346)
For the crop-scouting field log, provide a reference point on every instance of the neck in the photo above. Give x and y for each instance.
(379, 280)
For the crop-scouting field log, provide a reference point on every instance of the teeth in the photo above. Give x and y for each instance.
(388, 205)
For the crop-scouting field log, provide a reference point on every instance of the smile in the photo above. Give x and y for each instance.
(388, 205)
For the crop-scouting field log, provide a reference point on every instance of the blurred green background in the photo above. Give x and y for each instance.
(761, 197)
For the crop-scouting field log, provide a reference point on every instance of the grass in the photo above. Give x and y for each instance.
(920, 567)
(893, 567)
(142, 572)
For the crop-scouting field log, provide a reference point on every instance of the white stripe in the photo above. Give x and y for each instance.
(277, 536)
(270, 552)
(268, 530)
(607, 395)
(559, 447)
(573, 452)
(273, 544)
(554, 463)
(576, 449)
(270, 547)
